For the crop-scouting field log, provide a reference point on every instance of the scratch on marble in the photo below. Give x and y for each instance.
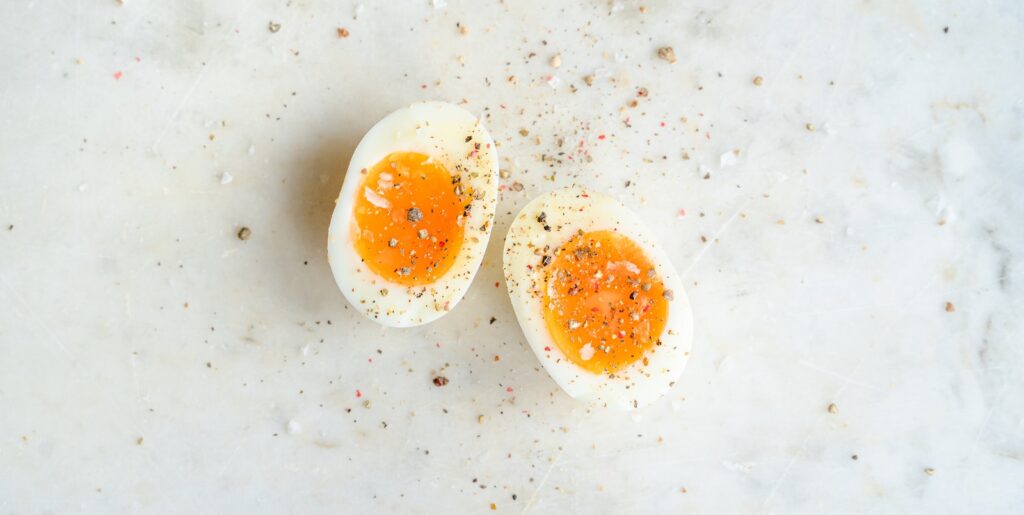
(231, 459)
(720, 232)
(847, 379)
(544, 480)
(195, 84)
(803, 444)
(181, 104)
(554, 463)
(846, 383)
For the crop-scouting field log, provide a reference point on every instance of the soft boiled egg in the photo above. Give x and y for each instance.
(599, 302)
(414, 215)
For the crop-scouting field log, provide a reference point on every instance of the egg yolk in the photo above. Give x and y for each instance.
(604, 305)
(409, 218)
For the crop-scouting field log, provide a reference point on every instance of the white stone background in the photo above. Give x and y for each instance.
(150, 362)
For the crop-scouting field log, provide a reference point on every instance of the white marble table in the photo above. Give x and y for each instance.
(151, 362)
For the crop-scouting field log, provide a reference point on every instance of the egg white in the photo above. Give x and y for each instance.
(439, 130)
(568, 211)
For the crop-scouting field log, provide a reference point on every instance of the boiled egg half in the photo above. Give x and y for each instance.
(599, 302)
(414, 215)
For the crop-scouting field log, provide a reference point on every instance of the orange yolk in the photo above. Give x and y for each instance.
(408, 218)
(603, 303)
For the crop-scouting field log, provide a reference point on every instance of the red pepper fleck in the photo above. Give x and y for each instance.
(584, 195)
(662, 124)
(600, 136)
(117, 75)
(138, 59)
(647, 308)
(509, 389)
(440, 244)
(547, 349)
(370, 360)
(496, 283)
(358, 394)
(682, 212)
(423, 86)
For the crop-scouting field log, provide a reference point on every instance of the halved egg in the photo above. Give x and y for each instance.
(599, 302)
(414, 215)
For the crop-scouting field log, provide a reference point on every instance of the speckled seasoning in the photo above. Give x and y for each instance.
(599, 302)
(414, 215)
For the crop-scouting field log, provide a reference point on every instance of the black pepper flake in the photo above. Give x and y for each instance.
(542, 217)
(440, 381)
(414, 214)
(469, 138)
(545, 261)
(493, 319)
(404, 271)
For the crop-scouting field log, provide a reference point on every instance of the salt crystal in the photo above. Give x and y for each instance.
(294, 427)
(376, 199)
(252, 150)
(439, 4)
(357, 11)
(586, 352)
(554, 81)
(617, 6)
(727, 159)
(226, 178)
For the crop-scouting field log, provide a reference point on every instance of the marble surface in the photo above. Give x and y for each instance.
(151, 362)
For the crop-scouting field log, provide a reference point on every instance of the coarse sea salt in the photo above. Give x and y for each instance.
(586, 352)
(376, 199)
